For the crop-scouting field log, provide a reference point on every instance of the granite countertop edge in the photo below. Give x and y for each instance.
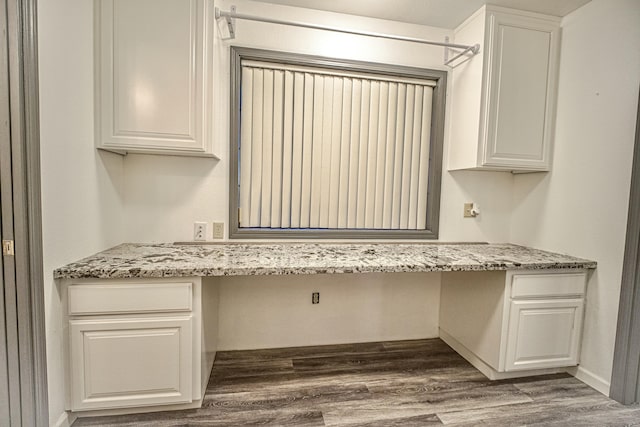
(167, 260)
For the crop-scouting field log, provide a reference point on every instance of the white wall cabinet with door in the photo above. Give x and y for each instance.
(154, 76)
(503, 102)
(516, 323)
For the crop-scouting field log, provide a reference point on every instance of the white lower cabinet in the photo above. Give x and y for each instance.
(130, 362)
(515, 323)
(138, 344)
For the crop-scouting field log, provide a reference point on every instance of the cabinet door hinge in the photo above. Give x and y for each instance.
(7, 248)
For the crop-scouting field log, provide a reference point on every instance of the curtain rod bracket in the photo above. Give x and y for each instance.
(231, 16)
(229, 20)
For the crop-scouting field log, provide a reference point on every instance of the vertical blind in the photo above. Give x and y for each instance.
(331, 150)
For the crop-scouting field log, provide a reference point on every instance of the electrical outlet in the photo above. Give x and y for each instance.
(199, 231)
(315, 298)
(468, 210)
(218, 230)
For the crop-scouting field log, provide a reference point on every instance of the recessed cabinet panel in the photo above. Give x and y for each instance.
(154, 62)
(130, 362)
(520, 96)
(154, 73)
(543, 334)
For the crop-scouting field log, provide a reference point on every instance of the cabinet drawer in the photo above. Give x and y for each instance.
(89, 299)
(547, 285)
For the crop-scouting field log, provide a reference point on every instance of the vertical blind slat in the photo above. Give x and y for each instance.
(245, 148)
(361, 192)
(316, 157)
(307, 145)
(336, 150)
(372, 152)
(287, 149)
(324, 151)
(415, 157)
(276, 174)
(256, 152)
(406, 161)
(345, 153)
(296, 151)
(424, 158)
(380, 155)
(354, 159)
(397, 168)
(325, 160)
(267, 148)
(392, 110)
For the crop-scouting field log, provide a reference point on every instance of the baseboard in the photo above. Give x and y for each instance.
(592, 380)
(487, 370)
(65, 420)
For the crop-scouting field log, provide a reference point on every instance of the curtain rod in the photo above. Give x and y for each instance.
(228, 16)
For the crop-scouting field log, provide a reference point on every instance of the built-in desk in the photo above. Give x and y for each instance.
(141, 318)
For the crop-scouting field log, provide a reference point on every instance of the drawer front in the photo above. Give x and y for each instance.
(130, 362)
(87, 299)
(547, 285)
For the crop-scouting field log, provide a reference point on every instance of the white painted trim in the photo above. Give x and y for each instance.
(592, 380)
(65, 419)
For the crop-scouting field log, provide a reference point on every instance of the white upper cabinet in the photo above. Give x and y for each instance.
(153, 76)
(503, 99)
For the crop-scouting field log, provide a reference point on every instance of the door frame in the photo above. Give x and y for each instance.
(625, 380)
(24, 142)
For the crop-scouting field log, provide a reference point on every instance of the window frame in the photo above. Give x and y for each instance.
(435, 155)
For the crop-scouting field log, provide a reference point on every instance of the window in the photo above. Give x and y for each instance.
(332, 148)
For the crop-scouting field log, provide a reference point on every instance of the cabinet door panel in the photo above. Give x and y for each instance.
(154, 78)
(130, 362)
(543, 334)
(518, 126)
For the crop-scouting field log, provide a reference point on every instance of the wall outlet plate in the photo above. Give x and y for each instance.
(218, 230)
(471, 210)
(199, 231)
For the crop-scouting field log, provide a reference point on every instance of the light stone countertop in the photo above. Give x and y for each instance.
(136, 260)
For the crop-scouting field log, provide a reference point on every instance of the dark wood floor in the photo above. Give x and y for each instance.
(408, 383)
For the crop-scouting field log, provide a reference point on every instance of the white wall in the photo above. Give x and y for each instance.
(164, 195)
(82, 204)
(260, 312)
(580, 207)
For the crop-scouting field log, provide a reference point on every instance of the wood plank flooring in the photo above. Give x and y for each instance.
(404, 383)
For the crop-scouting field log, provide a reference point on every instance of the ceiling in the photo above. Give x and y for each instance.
(436, 13)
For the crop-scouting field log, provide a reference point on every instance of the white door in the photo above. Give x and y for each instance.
(543, 333)
(522, 71)
(130, 362)
(23, 375)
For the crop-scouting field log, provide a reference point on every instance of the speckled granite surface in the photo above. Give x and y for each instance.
(178, 260)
